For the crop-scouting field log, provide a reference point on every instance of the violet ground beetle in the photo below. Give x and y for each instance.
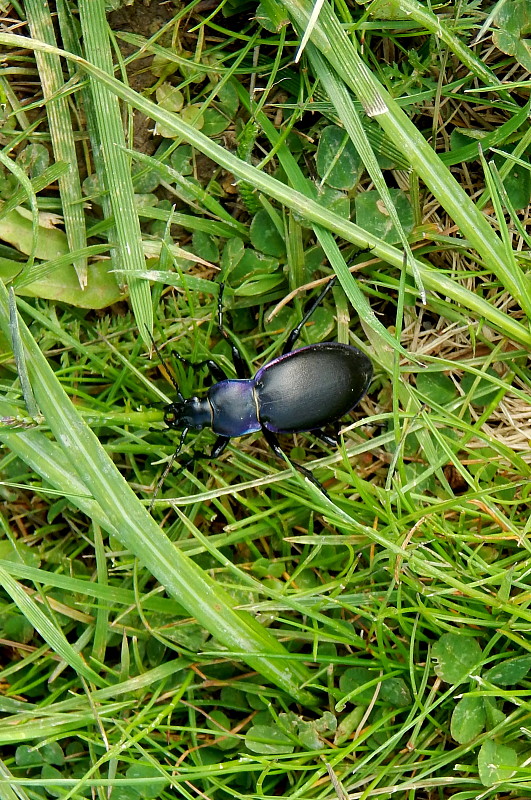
(300, 391)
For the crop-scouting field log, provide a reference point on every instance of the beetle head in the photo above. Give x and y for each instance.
(191, 413)
(173, 415)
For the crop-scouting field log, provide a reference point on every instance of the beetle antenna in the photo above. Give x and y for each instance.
(168, 467)
(166, 370)
(296, 332)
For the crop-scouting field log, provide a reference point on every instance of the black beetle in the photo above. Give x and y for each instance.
(299, 391)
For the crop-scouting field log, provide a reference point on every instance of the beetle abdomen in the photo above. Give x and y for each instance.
(311, 387)
(233, 405)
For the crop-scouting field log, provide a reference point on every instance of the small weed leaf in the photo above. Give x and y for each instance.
(181, 160)
(19, 552)
(49, 773)
(395, 692)
(334, 200)
(220, 724)
(154, 783)
(436, 387)
(456, 656)
(337, 160)
(27, 756)
(496, 762)
(205, 246)
(169, 97)
(517, 181)
(252, 265)
(52, 753)
(268, 740)
(33, 159)
(309, 736)
(514, 25)
(265, 237)
(354, 678)
(483, 390)
(509, 672)
(494, 715)
(468, 719)
(372, 215)
(231, 256)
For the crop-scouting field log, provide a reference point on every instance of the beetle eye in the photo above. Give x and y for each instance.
(171, 417)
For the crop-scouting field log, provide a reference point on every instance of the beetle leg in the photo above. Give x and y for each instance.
(296, 332)
(168, 467)
(217, 372)
(273, 443)
(217, 448)
(237, 356)
(165, 368)
(325, 437)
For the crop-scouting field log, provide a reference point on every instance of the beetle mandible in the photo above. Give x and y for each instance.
(300, 391)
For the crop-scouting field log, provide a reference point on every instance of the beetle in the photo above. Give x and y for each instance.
(300, 391)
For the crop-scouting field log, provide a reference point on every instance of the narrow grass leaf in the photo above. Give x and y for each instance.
(62, 135)
(51, 634)
(432, 279)
(128, 252)
(20, 358)
(346, 110)
(335, 45)
(211, 605)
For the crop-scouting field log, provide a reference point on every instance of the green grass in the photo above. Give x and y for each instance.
(248, 637)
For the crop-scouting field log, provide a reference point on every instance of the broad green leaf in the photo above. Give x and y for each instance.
(261, 284)
(509, 672)
(456, 655)
(194, 115)
(468, 719)
(416, 476)
(33, 159)
(214, 123)
(512, 34)
(337, 160)
(153, 785)
(494, 715)
(484, 390)
(181, 159)
(169, 97)
(496, 762)
(372, 215)
(251, 264)
(205, 246)
(18, 629)
(395, 691)
(231, 256)
(265, 237)
(226, 101)
(334, 200)
(49, 773)
(308, 735)
(436, 387)
(517, 182)
(28, 756)
(16, 228)
(52, 753)
(19, 553)
(355, 678)
(268, 740)
(62, 284)
(220, 725)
